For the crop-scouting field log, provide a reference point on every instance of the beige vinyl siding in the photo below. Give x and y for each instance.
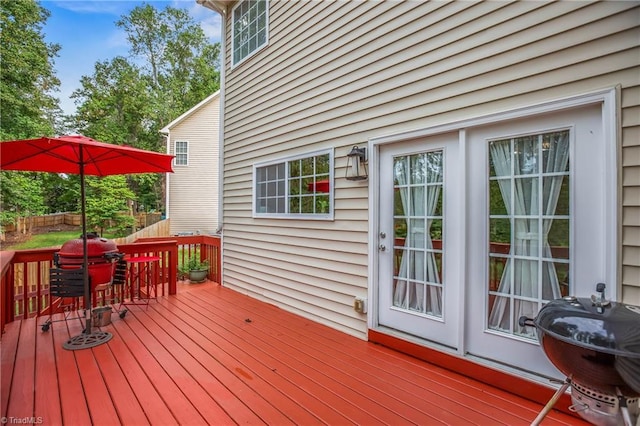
(194, 189)
(338, 73)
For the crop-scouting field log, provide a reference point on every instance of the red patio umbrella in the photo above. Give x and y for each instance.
(83, 156)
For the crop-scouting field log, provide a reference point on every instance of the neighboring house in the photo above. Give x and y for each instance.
(193, 188)
(503, 147)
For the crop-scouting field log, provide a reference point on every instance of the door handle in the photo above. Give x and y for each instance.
(382, 247)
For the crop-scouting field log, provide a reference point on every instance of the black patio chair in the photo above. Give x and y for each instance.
(68, 285)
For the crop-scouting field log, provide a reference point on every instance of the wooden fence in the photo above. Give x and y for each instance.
(158, 229)
(24, 224)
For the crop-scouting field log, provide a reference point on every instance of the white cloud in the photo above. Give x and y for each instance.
(212, 26)
(117, 39)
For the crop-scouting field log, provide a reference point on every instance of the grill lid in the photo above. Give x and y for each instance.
(96, 246)
(612, 329)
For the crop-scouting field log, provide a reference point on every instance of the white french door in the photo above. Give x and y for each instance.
(419, 286)
(481, 226)
(536, 225)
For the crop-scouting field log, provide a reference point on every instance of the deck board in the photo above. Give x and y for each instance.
(297, 404)
(48, 405)
(124, 399)
(101, 407)
(218, 398)
(209, 355)
(176, 368)
(347, 354)
(323, 373)
(281, 363)
(22, 385)
(170, 393)
(382, 371)
(142, 388)
(8, 350)
(73, 405)
(221, 383)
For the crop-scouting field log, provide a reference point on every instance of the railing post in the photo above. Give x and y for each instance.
(173, 269)
(218, 256)
(6, 289)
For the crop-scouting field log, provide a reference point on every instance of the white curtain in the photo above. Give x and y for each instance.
(418, 265)
(520, 275)
(400, 296)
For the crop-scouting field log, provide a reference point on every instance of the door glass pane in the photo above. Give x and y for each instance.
(416, 235)
(558, 236)
(418, 226)
(529, 224)
(497, 198)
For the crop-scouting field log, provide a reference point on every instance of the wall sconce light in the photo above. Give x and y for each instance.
(356, 164)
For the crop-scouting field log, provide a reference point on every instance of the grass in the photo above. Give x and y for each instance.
(51, 239)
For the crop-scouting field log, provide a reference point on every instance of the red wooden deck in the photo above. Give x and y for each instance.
(210, 355)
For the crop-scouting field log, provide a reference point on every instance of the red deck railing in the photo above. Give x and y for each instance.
(24, 291)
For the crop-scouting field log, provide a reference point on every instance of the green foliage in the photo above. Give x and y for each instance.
(29, 110)
(106, 201)
(61, 192)
(179, 64)
(194, 264)
(27, 75)
(114, 104)
(27, 80)
(149, 187)
(21, 195)
(171, 68)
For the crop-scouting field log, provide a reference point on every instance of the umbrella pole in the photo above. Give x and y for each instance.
(85, 254)
(87, 339)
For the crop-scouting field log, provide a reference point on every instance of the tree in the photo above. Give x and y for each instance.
(128, 100)
(114, 104)
(27, 75)
(29, 110)
(180, 64)
(61, 193)
(107, 204)
(22, 196)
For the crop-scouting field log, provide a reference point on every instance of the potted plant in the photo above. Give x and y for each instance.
(195, 268)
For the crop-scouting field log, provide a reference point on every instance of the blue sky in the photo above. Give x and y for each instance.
(87, 33)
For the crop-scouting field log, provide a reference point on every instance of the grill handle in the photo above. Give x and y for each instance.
(526, 322)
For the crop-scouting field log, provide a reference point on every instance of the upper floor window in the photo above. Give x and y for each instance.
(296, 187)
(181, 151)
(250, 28)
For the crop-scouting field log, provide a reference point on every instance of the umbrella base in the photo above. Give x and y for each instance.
(87, 340)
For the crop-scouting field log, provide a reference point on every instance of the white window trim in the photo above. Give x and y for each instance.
(608, 98)
(297, 216)
(175, 143)
(259, 48)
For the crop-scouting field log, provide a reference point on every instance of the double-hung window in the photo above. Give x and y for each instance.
(295, 187)
(181, 151)
(250, 28)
